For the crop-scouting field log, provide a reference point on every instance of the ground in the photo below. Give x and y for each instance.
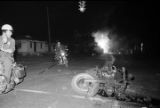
(48, 85)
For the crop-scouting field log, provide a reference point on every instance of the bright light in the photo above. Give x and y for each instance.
(82, 5)
(102, 40)
(142, 47)
(82, 9)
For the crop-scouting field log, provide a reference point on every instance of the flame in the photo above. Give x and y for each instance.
(102, 40)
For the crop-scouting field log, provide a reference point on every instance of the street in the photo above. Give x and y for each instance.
(48, 85)
(89, 34)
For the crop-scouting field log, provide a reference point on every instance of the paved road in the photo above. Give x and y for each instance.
(51, 88)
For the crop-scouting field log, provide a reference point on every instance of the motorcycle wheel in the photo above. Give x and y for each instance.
(3, 84)
(66, 62)
(20, 80)
(60, 62)
(80, 85)
(10, 87)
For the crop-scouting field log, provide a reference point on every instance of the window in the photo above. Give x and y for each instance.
(41, 44)
(30, 44)
(19, 45)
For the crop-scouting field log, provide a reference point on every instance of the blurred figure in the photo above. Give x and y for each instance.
(61, 53)
(59, 47)
(7, 48)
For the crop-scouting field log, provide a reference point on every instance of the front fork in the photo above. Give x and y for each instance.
(63, 60)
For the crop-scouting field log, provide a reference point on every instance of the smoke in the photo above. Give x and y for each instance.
(102, 41)
(108, 43)
(104, 44)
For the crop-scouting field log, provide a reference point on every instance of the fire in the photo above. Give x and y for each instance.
(102, 40)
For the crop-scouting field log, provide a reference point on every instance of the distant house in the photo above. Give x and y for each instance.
(32, 47)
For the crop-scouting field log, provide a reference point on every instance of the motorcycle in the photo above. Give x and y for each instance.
(62, 57)
(108, 81)
(95, 79)
(17, 76)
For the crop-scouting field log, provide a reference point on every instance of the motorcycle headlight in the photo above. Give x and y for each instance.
(62, 53)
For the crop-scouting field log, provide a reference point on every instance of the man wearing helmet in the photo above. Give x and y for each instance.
(7, 48)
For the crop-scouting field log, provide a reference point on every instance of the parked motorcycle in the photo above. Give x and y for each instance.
(17, 76)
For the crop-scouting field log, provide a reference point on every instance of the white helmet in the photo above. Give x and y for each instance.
(6, 27)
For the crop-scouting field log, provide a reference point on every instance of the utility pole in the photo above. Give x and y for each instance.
(49, 33)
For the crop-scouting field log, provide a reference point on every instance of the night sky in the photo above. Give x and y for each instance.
(130, 19)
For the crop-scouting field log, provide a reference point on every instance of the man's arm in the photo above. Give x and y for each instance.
(7, 50)
(11, 48)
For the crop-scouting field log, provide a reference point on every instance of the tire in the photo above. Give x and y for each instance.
(20, 81)
(3, 83)
(66, 62)
(60, 61)
(86, 88)
(10, 87)
(93, 90)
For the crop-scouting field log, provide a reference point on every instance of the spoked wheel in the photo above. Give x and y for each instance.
(85, 84)
(3, 83)
(66, 62)
(9, 87)
(60, 61)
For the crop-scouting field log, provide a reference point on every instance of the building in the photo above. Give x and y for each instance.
(32, 47)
